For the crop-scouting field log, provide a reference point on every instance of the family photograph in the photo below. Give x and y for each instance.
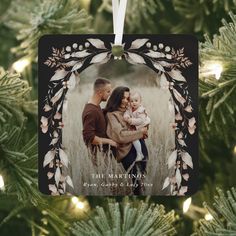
(118, 136)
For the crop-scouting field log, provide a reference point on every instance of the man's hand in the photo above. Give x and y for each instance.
(100, 141)
(112, 143)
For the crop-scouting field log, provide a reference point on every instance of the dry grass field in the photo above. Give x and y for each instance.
(159, 144)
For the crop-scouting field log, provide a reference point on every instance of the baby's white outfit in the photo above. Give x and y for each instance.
(139, 119)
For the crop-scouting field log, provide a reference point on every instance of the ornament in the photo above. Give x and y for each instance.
(173, 60)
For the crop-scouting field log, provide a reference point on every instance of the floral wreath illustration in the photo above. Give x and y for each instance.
(68, 62)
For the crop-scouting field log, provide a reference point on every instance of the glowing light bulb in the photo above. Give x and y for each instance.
(20, 65)
(187, 204)
(208, 217)
(217, 70)
(85, 4)
(1, 182)
(80, 205)
(213, 68)
(75, 200)
(235, 149)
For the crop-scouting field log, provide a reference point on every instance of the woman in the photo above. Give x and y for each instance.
(120, 131)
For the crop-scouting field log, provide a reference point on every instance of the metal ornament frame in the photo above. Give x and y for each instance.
(69, 61)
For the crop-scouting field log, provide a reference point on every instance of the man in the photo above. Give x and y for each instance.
(94, 123)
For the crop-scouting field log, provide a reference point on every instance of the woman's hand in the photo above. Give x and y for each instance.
(145, 131)
(126, 118)
(129, 121)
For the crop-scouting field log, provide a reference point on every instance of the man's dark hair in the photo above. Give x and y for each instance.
(115, 99)
(100, 83)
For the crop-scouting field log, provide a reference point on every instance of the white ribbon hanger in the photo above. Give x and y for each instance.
(118, 8)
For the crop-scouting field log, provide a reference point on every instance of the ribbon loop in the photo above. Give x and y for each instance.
(119, 8)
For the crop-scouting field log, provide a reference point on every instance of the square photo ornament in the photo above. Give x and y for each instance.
(118, 119)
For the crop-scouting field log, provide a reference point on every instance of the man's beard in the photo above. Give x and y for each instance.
(104, 100)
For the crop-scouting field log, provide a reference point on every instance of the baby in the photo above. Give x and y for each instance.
(136, 115)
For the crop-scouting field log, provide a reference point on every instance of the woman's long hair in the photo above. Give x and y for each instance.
(115, 99)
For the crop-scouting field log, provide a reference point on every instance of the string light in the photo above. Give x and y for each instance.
(1, 183)
(85, 4)
(20, 65)
(79, 204)
(187, 204)
(208, 217)
(74, 200)
(215, 69)
(235, 150)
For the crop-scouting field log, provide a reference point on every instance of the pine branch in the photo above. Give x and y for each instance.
(13, 91)
(18, 156)
(3, 8)
(41, 218)
(18, 166)
(127, 218)
(200, 16)
(19, 162)
(224, 216)
(218, 96)
(44, 17)
(138, 13)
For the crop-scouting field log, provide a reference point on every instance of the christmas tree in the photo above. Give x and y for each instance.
(25, 211)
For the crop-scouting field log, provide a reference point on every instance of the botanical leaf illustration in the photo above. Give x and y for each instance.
(97, 43)
(69, 181)
(64, 158)
(158, 66)
(179, 97)
(52, 188)
(99, 58)
(179, 57)
(77, 66)
(166, 183)
(183, 190)
(57, 96)
(59, 74)
(187, 159)
(154, 54)
(176, 75)
(57, 175)
(178, 177)
(134, 58)
(138, 43)
(172, 159)
(48, 157)
(81, 54)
